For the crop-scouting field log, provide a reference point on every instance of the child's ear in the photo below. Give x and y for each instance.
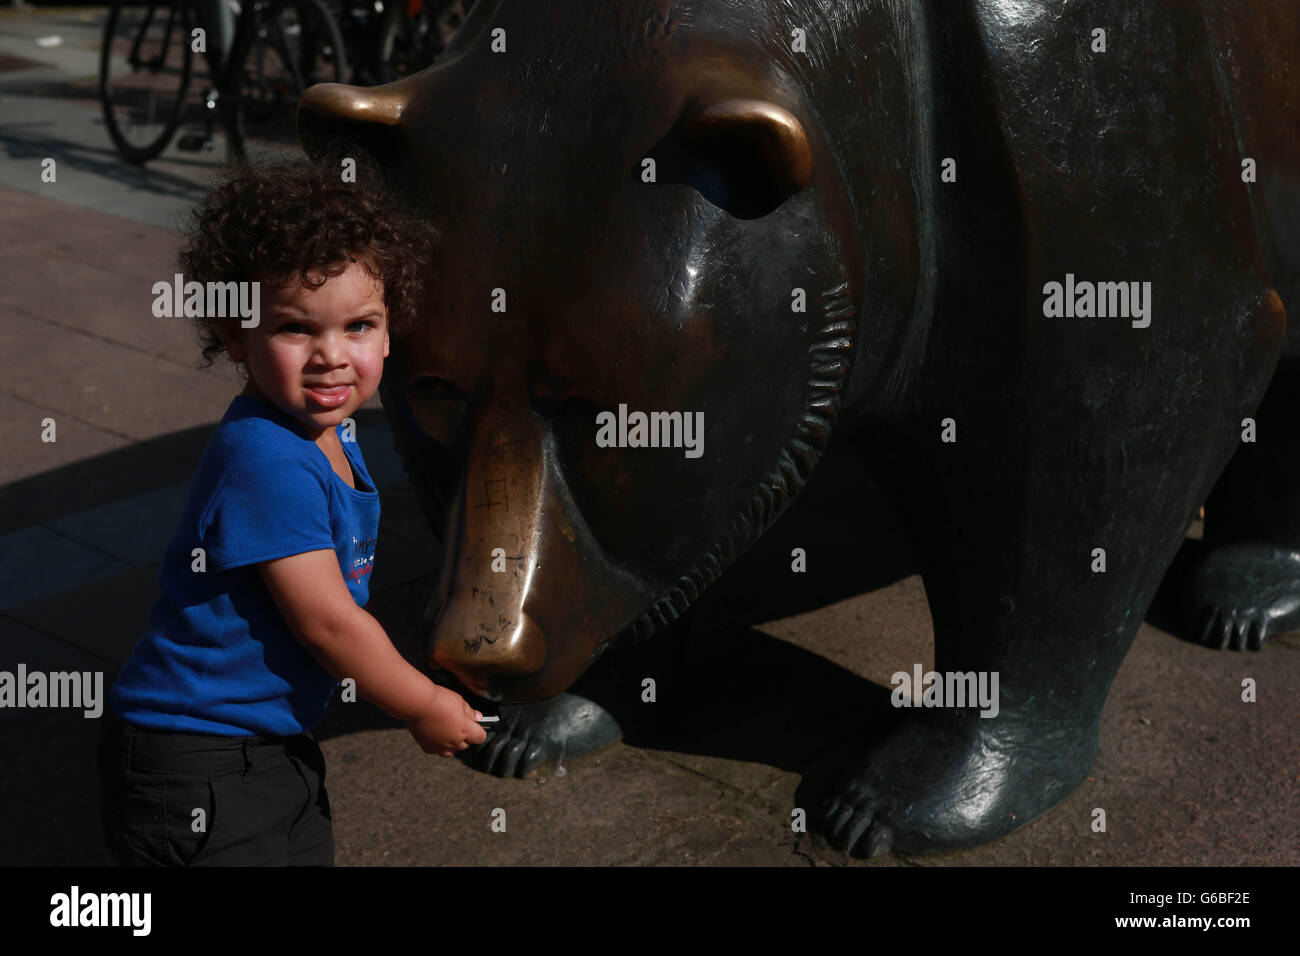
(232, 339)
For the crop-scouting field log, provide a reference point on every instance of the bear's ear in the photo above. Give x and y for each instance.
(744, 154)
(337, 120)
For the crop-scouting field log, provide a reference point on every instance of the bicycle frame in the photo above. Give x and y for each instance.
(134, 57)
(226, 74)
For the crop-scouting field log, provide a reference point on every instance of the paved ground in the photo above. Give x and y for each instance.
(1188, 774)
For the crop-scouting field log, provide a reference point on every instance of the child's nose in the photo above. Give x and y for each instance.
(329, 350)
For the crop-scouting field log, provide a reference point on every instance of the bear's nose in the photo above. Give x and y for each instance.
(478, 657)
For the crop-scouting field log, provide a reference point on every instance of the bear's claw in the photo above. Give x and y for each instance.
(1244, 594)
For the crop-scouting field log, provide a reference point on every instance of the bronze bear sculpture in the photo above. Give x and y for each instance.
(1028, 259)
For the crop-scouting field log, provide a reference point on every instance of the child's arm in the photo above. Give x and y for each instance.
(315, 603)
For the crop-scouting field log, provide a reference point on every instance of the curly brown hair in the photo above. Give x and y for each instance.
(279, 220)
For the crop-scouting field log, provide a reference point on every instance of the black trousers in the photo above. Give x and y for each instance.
(179, 799)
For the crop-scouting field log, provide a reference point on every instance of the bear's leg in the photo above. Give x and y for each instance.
(1246, 589)
(1040, 550)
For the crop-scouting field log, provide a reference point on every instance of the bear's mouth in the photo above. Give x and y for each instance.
(829, 355)
(484, 705)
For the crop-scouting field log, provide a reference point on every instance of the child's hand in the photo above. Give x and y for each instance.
(446, 725)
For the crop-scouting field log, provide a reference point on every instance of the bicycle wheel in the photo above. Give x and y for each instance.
(145, 65)
(296, 44)
(360, 22)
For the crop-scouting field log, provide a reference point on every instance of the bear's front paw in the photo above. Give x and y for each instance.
(1244, 594)
(939, 783)
(555, 730)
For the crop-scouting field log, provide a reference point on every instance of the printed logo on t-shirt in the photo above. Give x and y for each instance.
(363, 558)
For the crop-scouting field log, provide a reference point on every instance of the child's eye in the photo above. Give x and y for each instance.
(365, 324)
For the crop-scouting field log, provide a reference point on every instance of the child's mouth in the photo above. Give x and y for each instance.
(329, 397)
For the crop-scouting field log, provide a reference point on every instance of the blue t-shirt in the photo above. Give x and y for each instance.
(218, 658)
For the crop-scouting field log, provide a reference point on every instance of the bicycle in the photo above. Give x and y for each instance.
(390, 39)
(414, 33)
(280, 48)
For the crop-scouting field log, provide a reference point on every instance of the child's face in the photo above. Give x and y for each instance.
(334, 335)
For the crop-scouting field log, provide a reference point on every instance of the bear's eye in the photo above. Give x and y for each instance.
(439, 407)
(433, 388)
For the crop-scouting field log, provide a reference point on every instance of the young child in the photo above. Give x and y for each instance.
(208, 754)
